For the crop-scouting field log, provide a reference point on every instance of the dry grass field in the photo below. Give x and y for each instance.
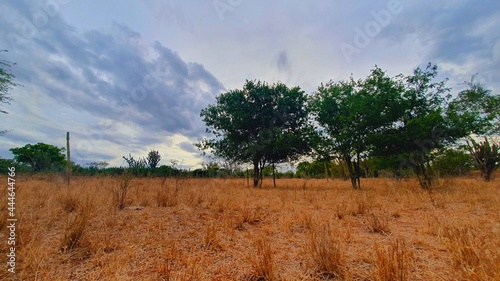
(218, 229)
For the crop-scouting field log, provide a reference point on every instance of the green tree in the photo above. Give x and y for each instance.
(40, 156)
(317, 169)
(476, 109)
(336, 109)
(349, 112)
(98, 165)
(421, 126)
(6, 84)
(453, 162)
(261, 124)
(153, 159)
(136, 164)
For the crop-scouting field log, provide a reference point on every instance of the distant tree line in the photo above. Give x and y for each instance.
(408, 125)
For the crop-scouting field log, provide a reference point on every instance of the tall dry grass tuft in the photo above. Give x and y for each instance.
(379, 225)
(326, 250)
(68, 202)
(362, 206)
(210, 239)
(74, 230)
(167, 196)
(175, 265)
(394, 261)
(471, 255)
(262, 262)
(79, 211)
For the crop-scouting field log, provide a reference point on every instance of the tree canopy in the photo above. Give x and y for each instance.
(402, 122)
(477, 109)
(420, 125)
(349, 113)
(153, 159)
(40, 156)
(261, 124)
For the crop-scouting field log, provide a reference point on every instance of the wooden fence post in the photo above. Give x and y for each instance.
(68, 162)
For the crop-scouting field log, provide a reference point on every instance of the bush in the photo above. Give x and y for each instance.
(452, 162)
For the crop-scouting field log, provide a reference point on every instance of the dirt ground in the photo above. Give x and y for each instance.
(219, 229)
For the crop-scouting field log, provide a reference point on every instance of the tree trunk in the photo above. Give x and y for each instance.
(248, 179)
(256, 173)
(424, 175)
(274, 177)
(351, 168)
(357, 170)
(261, 171)
(68, 158)
(326, 172)
(342, 169)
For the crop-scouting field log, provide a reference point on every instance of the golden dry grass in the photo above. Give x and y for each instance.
(218, 229)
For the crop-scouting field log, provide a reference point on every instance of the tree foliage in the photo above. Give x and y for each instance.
(6, 84)
(419, 126)
(40, 156)
(98, 165)
(477, 109)
(136, 164)
(402, 120)
(262, 124)
(486, 156)
(349, 113)
(153, 159)
(453, 162)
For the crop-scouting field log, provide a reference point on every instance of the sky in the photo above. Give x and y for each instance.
(128, 77)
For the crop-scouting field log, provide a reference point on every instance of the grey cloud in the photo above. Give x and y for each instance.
(447, 25)
(189, 147)
(111, 75)
(282, 61)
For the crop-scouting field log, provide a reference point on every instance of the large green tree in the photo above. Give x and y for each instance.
(349, 112)
(6, 84)
(40, 156)
(421, 126)
(262, 124)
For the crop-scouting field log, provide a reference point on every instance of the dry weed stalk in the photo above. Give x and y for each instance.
(120, 193)
(172, 260)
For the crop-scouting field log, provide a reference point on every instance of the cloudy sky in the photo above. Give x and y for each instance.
(132, 76)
